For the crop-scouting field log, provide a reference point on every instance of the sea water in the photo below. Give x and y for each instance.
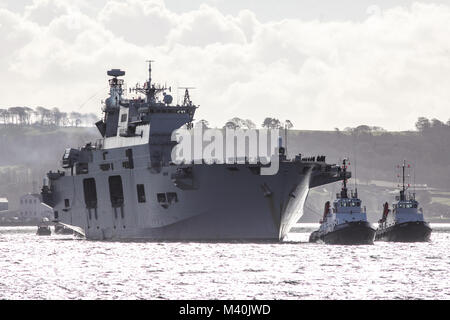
(66, 267)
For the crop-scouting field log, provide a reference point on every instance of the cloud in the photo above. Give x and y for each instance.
(14, 33)
(206, 26)
(139, 22)
(43, 12)
(386, 70)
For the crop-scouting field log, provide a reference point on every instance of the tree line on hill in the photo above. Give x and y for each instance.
(26, 116)
(55, 117)
(23, 116)
(423, 125)
(238, 123)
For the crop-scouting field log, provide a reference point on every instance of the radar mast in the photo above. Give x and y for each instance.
(187, 99)
(149, 90)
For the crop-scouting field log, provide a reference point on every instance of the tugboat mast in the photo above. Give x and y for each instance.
(403, 178)
(356, 188)
(402, 192)
(344, 182)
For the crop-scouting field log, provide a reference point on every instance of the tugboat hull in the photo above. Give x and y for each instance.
(416, 231)
(348, 233)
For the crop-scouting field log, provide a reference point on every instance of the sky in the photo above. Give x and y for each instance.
(320, 64)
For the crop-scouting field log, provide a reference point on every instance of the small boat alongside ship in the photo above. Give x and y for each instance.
(406, 222)
(44, 228)
(345, 222)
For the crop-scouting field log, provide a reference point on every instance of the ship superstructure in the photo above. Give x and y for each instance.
(345, 222)
(405, 223)
(125, 185)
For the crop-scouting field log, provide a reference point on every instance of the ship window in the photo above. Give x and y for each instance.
(161, 197)
(141, 193)
(123, 118)
(129, 155)
(90, 193)
(81, 168)
(105, 166)
(172, 197)
(66, 203)
(116, 191)
(126, 165)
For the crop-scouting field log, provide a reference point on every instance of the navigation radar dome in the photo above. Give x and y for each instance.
(168, 98)
(116, 73)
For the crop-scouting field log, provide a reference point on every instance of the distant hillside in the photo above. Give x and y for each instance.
(28, 152)
(373, 159)
(375, 156)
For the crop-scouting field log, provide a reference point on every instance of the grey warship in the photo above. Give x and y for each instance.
(125, 186)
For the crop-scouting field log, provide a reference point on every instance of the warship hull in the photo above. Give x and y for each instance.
(356, 233)
(62, 230)
(212, 202)
(415, 231)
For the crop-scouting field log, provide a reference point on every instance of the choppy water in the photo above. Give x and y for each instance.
(63, 267)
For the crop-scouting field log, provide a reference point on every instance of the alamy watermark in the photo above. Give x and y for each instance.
(231, 146)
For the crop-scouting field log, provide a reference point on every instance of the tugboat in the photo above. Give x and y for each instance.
(345, 223)
(406, 222)
(44, 228)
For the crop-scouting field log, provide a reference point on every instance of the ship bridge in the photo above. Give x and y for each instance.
(148, 119)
